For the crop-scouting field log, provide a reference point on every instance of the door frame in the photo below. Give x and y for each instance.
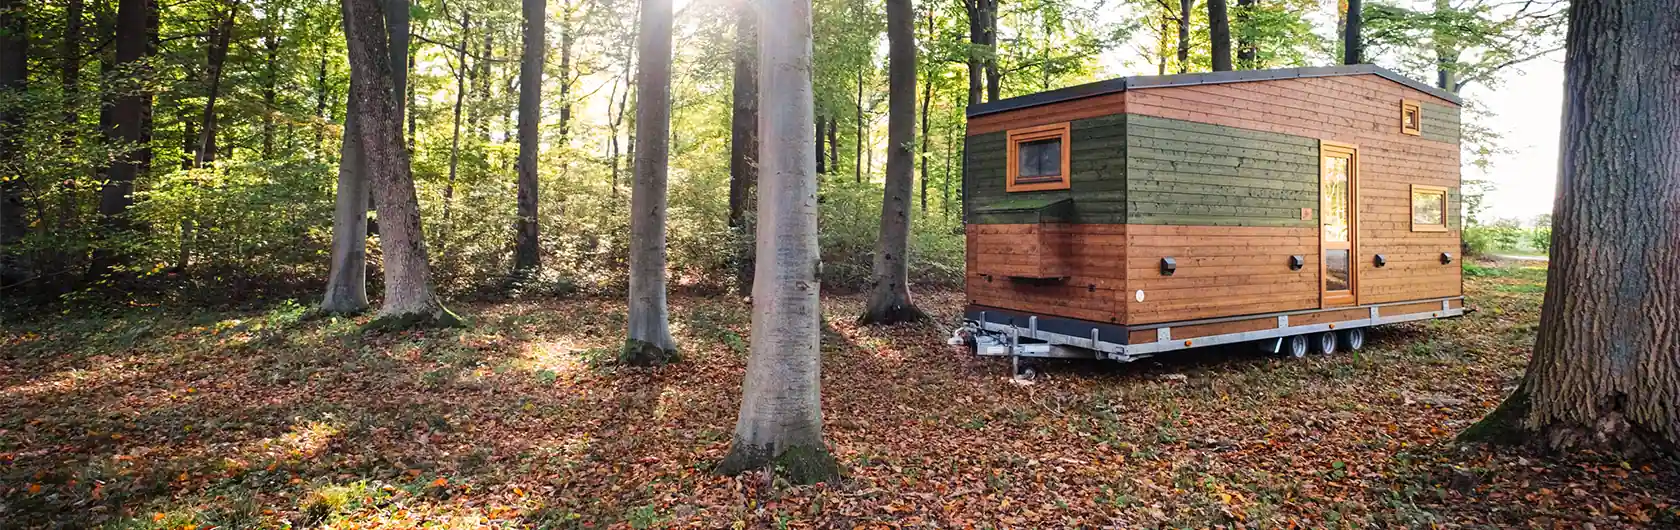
(1325, 298)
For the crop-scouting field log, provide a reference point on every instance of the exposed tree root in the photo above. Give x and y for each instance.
(1610, 434)
(438, 318)
(799, 464)
(643, 353)
(885, 313)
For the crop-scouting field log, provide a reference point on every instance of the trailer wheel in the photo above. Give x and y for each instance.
(1295, 346)
(1325, 342)
(1353, 339)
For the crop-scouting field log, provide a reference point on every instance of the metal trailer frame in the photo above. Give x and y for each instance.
(995, 339)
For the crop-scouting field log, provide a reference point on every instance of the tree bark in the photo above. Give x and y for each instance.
(1603, 375)
(889, 299)
(220, 38)
(1247, 52)
(526, 251)
(994, 78)
(743, 137)
(1219, 30)
(409, 298)
(1352, 46)
(927, 99)
(1184, 7)
(976, 39)
(127, 118)
(650, 341)
(780, 423)
(567, 37)
(857, 163)
(833, 143)
(821, 157)
(14, 79)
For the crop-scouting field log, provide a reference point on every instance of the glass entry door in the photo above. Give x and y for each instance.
(1338, 171)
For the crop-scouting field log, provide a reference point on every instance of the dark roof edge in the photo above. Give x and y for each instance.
(1210, 78)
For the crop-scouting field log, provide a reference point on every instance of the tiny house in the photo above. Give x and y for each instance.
(1136, 216)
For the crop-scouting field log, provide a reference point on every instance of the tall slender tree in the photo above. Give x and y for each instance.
(650, 341)
(526, 249)
(1219, 31)
(889, 298)
(1603, 374)
(409, 296)
(743, 138)
(124, 129)
(780, 423)
(1247, 53)
(1184, 7)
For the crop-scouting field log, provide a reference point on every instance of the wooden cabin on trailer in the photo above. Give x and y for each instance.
(1135, 216)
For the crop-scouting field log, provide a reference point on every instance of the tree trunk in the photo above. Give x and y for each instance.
(821, 157)
(396, 32)
(14, 79)
(1352, 47)
(1446, 56)
(743, 136)
(409, 298)
(347, 277)
(127, 118)
(780, 424)
(1247, 53)
(927, 99)
(271, 65)
(833, 143)
(650, 341)
(857, 163)
(1603, 374)
(70, 79)
(526, 252)
(461, 69)
(1184, 7)
(945, 183)
(219, 41)
(976, 39)
(1219, 30)
(994, 78)
(889, 298)
(322, 94)
(566, 39)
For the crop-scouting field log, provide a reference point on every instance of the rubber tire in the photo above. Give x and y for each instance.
(1325, 342)
(1295, 347)
(1353, 339)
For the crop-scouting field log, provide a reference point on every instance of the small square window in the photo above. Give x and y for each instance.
(1411, 118)
(1429, 208)
(1038, 158)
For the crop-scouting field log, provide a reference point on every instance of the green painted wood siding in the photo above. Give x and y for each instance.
(1097, 160)
(1439, 122)
(1188, 173)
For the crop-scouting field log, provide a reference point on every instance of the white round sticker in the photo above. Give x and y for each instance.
(1140, 295)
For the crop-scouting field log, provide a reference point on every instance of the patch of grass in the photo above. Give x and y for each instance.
(1521, 288)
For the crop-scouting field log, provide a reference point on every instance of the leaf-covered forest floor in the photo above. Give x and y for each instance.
(179, 419)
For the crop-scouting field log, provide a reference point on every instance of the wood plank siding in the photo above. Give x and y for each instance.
(1224, 178)
(1363, 110)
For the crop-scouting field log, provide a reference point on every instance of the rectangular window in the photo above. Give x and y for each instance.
(1038, 158)
(1429, 208)
(1411, 117)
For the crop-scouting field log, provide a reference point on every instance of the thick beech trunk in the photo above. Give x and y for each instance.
(409, 299)
(1605, 375)
(14, 79)
(889, 298)
(125, 131)
(347, 281)
(780, 425)
(650, 341)
(743, 137)
(1219, 31)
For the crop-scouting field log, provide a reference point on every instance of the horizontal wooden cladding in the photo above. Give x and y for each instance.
(1089, 258)
(1456, 303)
(1328, 317)
(1098, 179)
(1188, 173)
(1409, 309)
(1142, 336)
(1221, 271)
(1223, 328)
(1076, 109)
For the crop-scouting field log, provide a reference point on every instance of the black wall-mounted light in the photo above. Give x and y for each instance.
(1446, 258)
(1297, 262)
(1168, 266)
(1380, 261)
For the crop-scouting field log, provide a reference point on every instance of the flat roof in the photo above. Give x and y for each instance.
(1207, 78)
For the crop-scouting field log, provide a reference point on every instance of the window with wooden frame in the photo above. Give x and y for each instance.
(1038, 158)
(1411, 117)
(1429, 208)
